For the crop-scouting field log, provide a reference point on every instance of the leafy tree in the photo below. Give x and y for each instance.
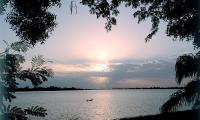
(11, 70)
(30, 19)
(32, 23)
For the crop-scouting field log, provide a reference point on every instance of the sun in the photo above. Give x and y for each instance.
(102, 56)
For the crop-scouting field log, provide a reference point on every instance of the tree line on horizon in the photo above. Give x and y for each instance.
(56, 88)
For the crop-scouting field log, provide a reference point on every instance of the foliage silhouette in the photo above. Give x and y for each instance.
(17, 113)
(31, 19)
(11, 70)
(182, 16)
(37, 73)
(32, 23)
(187, 66)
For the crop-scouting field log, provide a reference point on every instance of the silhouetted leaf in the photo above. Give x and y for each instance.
(36, 111)
(20, 46)
(190, 94)
(31, 19)
(186, 66)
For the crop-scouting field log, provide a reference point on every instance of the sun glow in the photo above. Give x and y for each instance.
(99, 80)
(102, 68)
(102, 56)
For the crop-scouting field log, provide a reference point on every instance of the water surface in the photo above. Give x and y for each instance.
(106, 104)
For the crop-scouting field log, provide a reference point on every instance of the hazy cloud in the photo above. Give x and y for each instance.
(142, 74)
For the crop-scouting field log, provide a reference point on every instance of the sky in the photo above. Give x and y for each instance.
(85, 55)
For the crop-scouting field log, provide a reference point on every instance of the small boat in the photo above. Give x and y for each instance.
(89, 100)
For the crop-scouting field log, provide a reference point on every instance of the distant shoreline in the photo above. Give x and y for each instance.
(53, 88)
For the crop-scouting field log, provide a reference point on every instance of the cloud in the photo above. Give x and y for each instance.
(148, 69)
(70, 68)
(141, 74)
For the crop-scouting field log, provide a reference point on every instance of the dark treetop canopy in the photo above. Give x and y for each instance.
(31, 20)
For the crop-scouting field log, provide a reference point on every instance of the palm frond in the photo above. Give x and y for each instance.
(36, 111)
(47, 72)
(17, 113)
(190, 94)
(13, 113)
(38, 73)
(33, 77)
(37, 61)
(20, 46)
(176, 100)
(186, 66)
(37, 76)
(192, 90)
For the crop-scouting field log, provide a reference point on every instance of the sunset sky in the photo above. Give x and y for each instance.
(86, 55)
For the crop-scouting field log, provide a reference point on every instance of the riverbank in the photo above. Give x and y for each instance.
(181, 115)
